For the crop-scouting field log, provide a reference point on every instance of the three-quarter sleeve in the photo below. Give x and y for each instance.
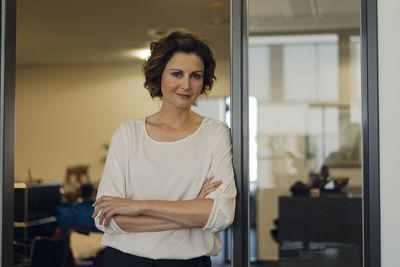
(223, 210)
(112, 182)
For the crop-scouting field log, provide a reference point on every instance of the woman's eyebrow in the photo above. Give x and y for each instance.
(182, 70)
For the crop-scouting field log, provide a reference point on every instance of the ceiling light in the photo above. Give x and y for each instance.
(141, 53)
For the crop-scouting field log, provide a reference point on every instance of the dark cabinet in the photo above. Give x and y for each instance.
(328, 218)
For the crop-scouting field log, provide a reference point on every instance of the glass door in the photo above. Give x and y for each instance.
(305, 133)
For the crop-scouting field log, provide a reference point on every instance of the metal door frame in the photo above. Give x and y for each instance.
(7, 129)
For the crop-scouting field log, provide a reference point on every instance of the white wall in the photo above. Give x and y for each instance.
(65, 113)
(389, 130)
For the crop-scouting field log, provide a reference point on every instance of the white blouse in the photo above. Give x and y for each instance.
(139, 167)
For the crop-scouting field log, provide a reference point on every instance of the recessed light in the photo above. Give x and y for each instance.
(141, 53)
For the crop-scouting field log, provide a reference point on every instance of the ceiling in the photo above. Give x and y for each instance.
(303, 15)
(105, 32)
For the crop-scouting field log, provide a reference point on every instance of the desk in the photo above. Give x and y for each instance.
(328, 218)
(34, 213)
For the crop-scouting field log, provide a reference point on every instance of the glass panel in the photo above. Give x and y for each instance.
(305, 99)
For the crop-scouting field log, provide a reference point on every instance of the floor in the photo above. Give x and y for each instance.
(329, 255)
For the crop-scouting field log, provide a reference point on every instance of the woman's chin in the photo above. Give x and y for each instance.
(185, 104)
(181, 104)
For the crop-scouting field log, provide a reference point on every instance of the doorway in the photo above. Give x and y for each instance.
(370, 137)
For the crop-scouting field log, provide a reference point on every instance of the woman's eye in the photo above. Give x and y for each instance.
(196, 76)
(176, 74)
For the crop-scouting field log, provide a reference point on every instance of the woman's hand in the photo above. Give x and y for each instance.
(208, 187)
(110, 206)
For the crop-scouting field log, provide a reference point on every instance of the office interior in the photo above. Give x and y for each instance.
(78, 78)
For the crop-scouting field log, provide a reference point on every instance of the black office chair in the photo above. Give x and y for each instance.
(46, 252)
(49, 252)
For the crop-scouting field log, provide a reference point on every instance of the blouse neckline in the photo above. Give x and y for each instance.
(176, 141)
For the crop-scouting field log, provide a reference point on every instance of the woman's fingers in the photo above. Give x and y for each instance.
(208, 181)
(204, 187)
(96, 211)
(214, 184)
(107, 207)
(104, 208)
(208, 188)
(212, 187)
(108, 217)
(99, 206)
(104, 199)
(100, 200)
(105, 215)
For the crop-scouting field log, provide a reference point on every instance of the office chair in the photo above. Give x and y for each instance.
(49, 252)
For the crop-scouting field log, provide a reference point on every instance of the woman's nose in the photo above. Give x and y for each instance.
(185, 83)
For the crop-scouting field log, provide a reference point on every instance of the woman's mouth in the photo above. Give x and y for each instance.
(183, 96)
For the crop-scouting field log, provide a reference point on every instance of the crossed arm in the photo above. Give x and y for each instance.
(156, 215)
(118, 215)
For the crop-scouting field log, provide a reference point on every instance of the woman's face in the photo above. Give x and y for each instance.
(182, 80)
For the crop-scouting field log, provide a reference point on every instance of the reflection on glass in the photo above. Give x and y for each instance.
(305, 96)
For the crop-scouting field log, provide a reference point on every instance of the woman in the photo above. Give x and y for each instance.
(168, 187)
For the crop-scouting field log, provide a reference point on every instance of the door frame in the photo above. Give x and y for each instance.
(240, 245)
(370, 130)
(7, 126)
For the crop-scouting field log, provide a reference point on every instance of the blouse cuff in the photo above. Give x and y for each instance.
(211, 223)
(111, 228)
(215, 222)
(115, 227)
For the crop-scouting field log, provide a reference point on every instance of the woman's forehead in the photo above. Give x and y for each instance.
(185, 60)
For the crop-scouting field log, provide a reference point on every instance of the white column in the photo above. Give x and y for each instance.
(389, 130)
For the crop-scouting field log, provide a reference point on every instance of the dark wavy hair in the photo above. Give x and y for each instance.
(162, 51)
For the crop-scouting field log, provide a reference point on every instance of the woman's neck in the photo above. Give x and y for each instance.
(172, 116)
